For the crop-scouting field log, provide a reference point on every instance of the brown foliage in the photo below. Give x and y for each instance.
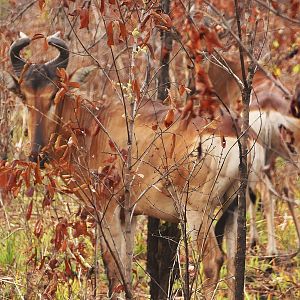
(169, 118)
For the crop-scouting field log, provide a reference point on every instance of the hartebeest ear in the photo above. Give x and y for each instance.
(10, 82)
(82, 74)
(287, 137)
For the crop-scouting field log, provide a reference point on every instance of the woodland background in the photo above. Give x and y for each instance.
(48, 247)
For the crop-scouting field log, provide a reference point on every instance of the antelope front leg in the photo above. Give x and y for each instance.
(113, 250)
(202, 231)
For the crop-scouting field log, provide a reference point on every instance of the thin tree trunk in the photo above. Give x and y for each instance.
(4, 127)
(163, 238)
(243, 167)
(152, 250)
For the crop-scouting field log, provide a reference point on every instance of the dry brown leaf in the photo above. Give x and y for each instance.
(154, 126)
(45, 44)
(38, 228)
(169, 118)
(212, 41)
(68, 268)
(80, 228)
(136, 89)
(84, 18)
(38, 174)
(123, 30)
(37, 36)
(102, 7)
(110, 34)
(74, 84)
(29, 210)
(112, 146)
(59, 95)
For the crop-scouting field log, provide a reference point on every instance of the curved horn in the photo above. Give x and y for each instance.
(14, 52)
(61, 61)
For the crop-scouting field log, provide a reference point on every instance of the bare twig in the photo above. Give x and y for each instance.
(277, 13)
(246, 51)
(26, 7)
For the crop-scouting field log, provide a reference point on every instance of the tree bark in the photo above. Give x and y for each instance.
(243, 167)
(163, 237)
(152, 250)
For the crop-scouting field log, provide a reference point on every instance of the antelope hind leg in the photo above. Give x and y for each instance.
(268, 204)
(252, 213)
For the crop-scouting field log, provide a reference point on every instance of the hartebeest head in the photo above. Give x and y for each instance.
(37, 85)
(276, 120)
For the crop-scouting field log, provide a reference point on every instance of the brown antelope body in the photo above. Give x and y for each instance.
(188, 169)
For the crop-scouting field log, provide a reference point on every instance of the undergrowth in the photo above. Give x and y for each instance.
(23, 272)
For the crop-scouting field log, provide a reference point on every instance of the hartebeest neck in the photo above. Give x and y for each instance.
(86, 128)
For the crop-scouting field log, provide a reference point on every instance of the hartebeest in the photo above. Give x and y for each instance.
(181, 169)
(268, 95)
(277, 127)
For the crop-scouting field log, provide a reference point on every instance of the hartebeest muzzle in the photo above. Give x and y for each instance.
(41, 158)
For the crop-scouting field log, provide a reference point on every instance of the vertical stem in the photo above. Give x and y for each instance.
(4, 127)
(152, 251)
(243, 167)
(241, 220)
(166, 48)
(128, 213)
(128, 208)
(187, 262)
(96, 258)
(241, 226)
(127, 182)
